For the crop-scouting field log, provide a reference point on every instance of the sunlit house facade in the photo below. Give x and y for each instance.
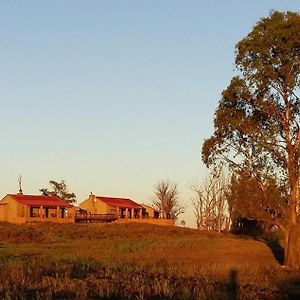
(19, 208)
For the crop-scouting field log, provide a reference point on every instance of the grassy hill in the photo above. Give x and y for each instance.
(136, 261)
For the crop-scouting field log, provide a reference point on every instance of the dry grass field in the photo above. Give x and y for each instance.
(137, 261)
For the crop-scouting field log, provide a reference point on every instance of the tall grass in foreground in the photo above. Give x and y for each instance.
(30, 278)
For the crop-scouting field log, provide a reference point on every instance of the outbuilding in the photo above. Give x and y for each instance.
(121, 208)
(19, 208)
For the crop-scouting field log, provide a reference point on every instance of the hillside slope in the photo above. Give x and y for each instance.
(137, 261)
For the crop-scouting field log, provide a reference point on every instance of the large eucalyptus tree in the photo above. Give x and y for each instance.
(257, 124)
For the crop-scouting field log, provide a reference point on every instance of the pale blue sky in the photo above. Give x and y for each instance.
(114, 95)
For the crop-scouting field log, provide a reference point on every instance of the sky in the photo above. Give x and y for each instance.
(113, 96)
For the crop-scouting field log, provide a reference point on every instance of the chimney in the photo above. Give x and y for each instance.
(20, 185)
(92, 197)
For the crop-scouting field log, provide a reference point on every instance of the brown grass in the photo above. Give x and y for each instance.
(134, 261)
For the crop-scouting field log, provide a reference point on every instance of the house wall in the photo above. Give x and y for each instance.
(150, 211)
(96, 207)
(163, 222)
(11, 211)
(14, 212)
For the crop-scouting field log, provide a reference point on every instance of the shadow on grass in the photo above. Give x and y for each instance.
(273, 244)
(290, 287)
(277, 250)
(232, 285)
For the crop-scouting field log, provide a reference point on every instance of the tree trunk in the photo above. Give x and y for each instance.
(292, 247)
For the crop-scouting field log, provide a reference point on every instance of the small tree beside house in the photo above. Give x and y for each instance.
(166, 200)
(60, 190)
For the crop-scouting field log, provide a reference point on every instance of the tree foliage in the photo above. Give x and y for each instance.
(257, 122)
(254, 211)
(167, 200)
(60, 190)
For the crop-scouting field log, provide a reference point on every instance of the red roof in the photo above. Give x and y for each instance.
(38, 200)
(119, 202)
